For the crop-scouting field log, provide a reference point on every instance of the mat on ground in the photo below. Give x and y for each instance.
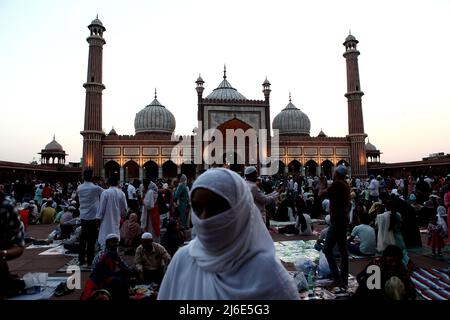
(291, 251)
(44, 292)
(431, 283)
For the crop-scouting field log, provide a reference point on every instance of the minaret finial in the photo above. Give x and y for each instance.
(155, 93)
(224, 71)
(290, 100)
(54, 137)
(97, 16)
(349, 32)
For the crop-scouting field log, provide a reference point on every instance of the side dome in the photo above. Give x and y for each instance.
(154, 118)
(53, 146)
(292, 121)
(370, 147)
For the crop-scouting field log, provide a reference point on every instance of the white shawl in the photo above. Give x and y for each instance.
(233, 255)
(385, 236)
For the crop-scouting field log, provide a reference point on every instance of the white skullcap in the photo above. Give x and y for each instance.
(249, 170)
(146, 235)
(342, 170)
(111, 236)
(73, 202)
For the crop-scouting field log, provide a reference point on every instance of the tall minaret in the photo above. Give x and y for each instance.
(92, 133)
(355, 116)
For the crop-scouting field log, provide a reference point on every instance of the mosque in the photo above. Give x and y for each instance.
(154, 151)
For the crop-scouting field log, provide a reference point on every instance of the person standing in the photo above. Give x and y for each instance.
(113, 205)
(374, 189)
(133, 196)
(89, 198)
(38, 195)
(182, 197)
(339, 195)
(261, 200)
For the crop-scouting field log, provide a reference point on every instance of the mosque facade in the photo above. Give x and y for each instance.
(154, 151)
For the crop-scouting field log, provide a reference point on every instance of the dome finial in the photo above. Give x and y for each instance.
(155, 93)
(349, 32)
(290, 100)
(97, 16)
(54, 137)
(224, 71)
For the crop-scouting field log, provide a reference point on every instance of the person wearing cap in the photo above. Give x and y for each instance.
(261, 200)
(33, 212)
(109, 272)
(150, 260)
(339, 194)
(113, 206)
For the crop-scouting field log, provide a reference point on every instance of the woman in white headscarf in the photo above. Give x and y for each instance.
(150, 212)
(233, 255)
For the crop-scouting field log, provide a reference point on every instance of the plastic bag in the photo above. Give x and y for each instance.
(305, 265)
(324, 268)
(300, 281)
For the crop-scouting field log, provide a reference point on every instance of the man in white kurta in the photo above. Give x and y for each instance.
(113, 204)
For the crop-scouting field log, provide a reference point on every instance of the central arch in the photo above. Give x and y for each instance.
(311, 168)
(188, 169)
(169, 169)
(327, 168)
(294, 166)
(151, 170)
(112, 169)
(131, 169)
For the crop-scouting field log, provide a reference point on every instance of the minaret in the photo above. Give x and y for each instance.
(92, 133)
(355, 116)
(200, 125)
(266, 90)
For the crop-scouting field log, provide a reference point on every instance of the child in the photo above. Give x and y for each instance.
(435, 236)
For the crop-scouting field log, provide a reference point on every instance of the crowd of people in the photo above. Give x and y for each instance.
(229, 217)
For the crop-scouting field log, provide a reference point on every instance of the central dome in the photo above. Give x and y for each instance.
(225, 91)
(292, 121)
(154, 118)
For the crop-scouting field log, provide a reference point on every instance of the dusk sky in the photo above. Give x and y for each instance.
(404, 66)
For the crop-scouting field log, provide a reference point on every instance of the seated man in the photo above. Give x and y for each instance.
(367, 239)
(11, 246)
(323, 235)
(395, 280)
(48, 213)
(73, 243)
(109, 273)
(150, 260)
